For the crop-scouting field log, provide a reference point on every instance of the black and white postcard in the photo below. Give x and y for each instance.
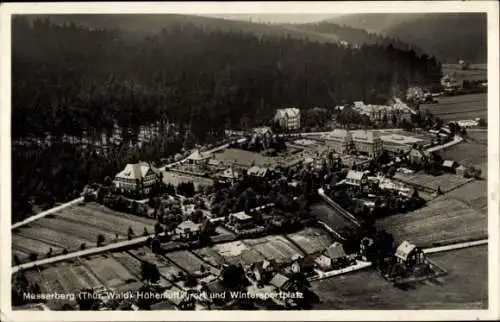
(262, 161)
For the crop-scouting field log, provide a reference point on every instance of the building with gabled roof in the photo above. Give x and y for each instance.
(188, 229)
(288, 118)
(356, 178)
(139, 176)
(409, 254)
(281, 282)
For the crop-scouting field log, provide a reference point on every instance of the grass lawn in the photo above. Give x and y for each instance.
(475, 72)
(459, 107)
(243, 158)
(109, 271)
(312, 240)
(445, 219)
(446, 181)
(326, 214)
(465, 287)
(187, 261)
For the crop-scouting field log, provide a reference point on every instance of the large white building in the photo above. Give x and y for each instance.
(347, 142)
(288, 118)
(137, 177)
(378, 112)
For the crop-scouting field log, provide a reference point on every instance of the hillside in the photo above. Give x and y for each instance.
(449, 36)
(147, 24)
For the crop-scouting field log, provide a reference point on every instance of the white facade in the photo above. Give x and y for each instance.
(288, 118)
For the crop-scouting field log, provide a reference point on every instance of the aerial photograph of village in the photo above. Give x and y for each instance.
(253, 162)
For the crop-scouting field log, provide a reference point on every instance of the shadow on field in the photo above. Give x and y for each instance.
(405, 286)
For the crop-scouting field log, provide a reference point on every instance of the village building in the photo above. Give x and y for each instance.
(461, 170)
(356, 178)
(409, 254)
(259, 172)
(230, 174)
(288, 118)
(199, 159)
(349, 142)
(335, 253)
(139, 176)
(188, 230)
(281, 282)
(449, 166)
(241, 220)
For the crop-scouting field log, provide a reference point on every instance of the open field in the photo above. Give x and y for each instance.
(176, 178)
(443, 220)
(167, 270)
(210, 256)
(473, 152)
(459, 107)
(71, 227)
(188, 261)
(330, 217)
(465, 286)
(311, 240)
(238, 252)
(446, 181)
(274, 247)
(243, 158)
(109, 271)
(475, 72)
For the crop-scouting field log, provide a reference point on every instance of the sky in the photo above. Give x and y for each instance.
(276, 18)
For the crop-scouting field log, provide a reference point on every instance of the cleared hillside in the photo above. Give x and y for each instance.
(448, 36)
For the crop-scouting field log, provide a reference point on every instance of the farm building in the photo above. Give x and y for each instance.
(356, 178)
(288, 118)
(281, 282)
(139, 176)
(449, 166)
(188, 230)
(241, 220)
(409, 254)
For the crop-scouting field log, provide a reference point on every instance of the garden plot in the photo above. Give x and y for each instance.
(51, 280)
(210, 256)
(167, 270)
(460, 107)
(28, 245)
(51, 237)
(85, 217)
(86, 277)
(443, 220)
(33, 276)
(80, 231)
(68, 279)
(132, 264)
(311, 240)
(232, 252)
(122, 215)
(274, 247)
(108, 270)
(188, 261)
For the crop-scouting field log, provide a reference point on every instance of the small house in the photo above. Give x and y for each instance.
(409, 254)
(188, 230)
(461, 170)
(449, 166)
(356, 178)
(281, 282)
(259, 172)
(199, 158)
(241, 220)
(336, 252)
(417, 156)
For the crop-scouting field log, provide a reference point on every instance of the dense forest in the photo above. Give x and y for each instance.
(70, 80)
